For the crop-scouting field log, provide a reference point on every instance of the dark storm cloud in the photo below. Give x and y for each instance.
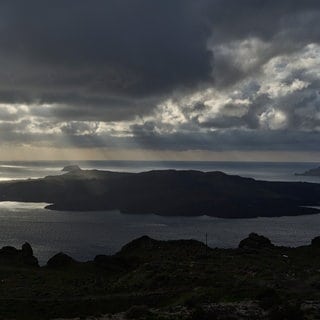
(226, 140)
(234, 19)
(118, 60)
(64, 50)
(53, 52)
(287, 24)
(219, 141)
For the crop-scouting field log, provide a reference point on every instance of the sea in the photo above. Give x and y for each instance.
(83, 235)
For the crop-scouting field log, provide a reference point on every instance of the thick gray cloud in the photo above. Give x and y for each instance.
(171, 74)
(82, 51)
(91, 51)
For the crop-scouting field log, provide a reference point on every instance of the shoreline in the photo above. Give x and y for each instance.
(91, 233)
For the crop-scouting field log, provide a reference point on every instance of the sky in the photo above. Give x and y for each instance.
(165, 80)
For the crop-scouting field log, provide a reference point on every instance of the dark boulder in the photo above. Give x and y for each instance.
(14, 257)
(8, 251)
(255, 241)
(60, 260)
(27, 250)
(315, 242)
(27, 255)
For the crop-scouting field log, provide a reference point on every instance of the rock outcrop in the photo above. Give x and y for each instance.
(255, 241)
(315, 242)
(60, 260)
(14, 257)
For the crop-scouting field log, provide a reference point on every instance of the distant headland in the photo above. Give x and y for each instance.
(312, 172)
(70, 168)
(168, 193)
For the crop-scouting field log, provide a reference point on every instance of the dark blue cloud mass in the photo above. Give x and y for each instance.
(170, 74)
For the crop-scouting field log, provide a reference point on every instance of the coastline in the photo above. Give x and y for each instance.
(86, 234)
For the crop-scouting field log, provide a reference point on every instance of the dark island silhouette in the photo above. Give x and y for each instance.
(167, 192)
(312, 173)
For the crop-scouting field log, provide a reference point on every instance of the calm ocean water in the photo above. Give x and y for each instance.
(85, 234)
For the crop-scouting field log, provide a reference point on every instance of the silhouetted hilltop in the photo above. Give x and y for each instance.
(60, 260)
(176, 279)
(167, 192)
(148, 248)
(255, 241)
(312, 172)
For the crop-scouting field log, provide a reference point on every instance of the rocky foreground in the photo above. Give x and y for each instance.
(150, 279)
